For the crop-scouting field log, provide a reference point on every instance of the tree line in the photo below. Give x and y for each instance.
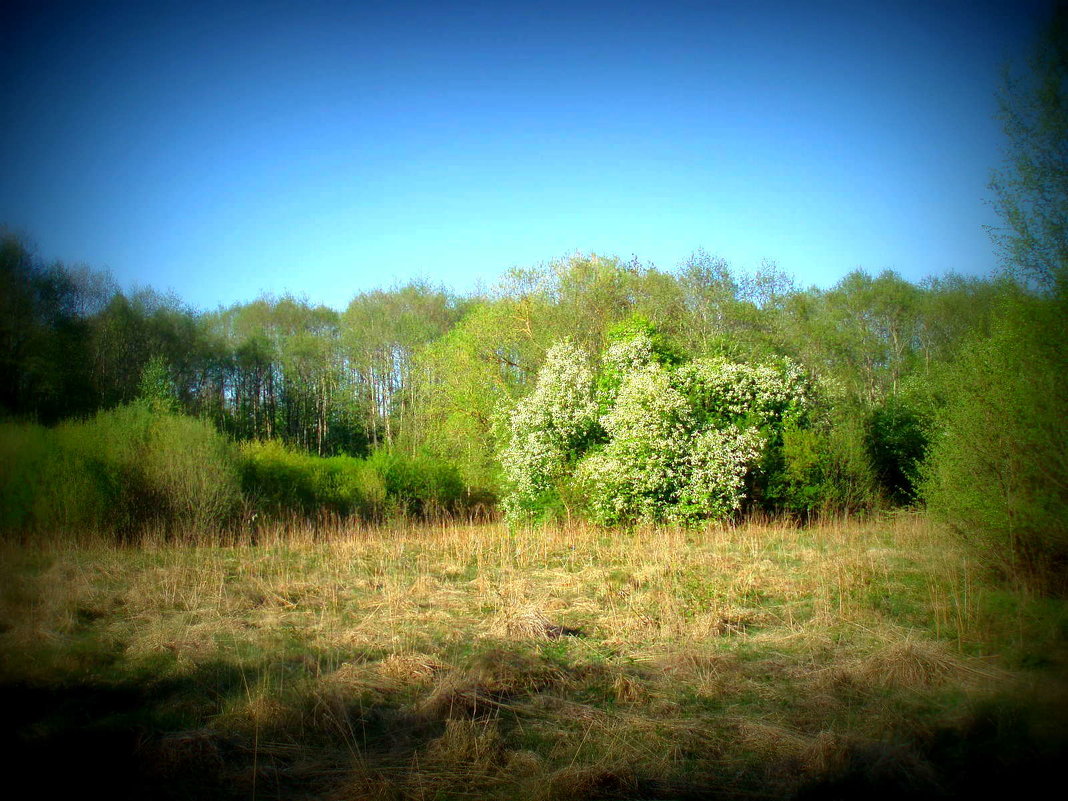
(418, 368)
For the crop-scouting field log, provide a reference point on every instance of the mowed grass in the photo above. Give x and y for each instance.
(755, 661)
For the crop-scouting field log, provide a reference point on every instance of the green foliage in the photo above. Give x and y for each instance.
(867, 332)
(896, 439)
(664, 351)
(172, 469)
(156, 387)
(45, 357)
(467, 377)
(138, 466)
(654, 348)
(49, 486)
(419, 372)
(820, 470)
(120, 470)
(280, 481)
(998, 470)
(1032, 188)
(420, 485)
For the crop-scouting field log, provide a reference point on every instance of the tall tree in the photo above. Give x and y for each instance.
(382, 331)
(44, 359)
(1032, 188)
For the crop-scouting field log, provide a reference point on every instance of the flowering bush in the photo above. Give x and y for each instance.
(716, 467)
(547, 429)
(636, 475)
(672, 444)
(760, 394)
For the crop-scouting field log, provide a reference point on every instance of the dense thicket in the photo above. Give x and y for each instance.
(402, 403)
(142, 467)
(418, 372)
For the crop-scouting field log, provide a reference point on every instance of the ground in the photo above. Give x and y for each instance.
(762, 660)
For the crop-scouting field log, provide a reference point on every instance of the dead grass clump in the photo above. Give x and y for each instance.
(260, 712)
(199, 746)
(488, 683)
(48, 606)
(468, 759)
(627, 689)
(350, 677)
(771, 741)
(514, 671)
(711, 674)
(362, 785)
(527, 623)
(589, 781)
(826, 754)
(467, 745)
(733, 621)
(912, 664)
(522, 764)
(841, 767)
(197, 763)
(190, 640)
(409, 669)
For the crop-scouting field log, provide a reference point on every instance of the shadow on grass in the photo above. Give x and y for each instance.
(145, 738)
(81, 738)
(1010, 746)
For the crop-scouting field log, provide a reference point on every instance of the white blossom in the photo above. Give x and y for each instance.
(628, 355)
(677, 443)
(717, 463)
(732, 391)
(546, 426)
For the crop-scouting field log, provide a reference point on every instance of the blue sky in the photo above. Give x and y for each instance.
(223, 150)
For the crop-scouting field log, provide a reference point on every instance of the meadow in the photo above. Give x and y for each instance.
(418, 661)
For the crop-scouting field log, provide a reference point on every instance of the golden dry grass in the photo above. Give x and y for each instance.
(568, 662)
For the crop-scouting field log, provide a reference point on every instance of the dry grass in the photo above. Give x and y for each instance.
(471, 661)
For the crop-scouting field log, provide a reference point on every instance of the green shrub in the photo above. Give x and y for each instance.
(47, 486)
(118, 471)
(357, 487)
(896, 440)
(172, 470)
(998, 470)
(822, 470)
(279, 481)
(419, 486)
(192, 468)
(275, 479)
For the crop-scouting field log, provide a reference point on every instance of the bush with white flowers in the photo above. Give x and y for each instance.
(672, 444)
(547, 430)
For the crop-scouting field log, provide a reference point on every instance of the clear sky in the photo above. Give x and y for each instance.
(227, 149)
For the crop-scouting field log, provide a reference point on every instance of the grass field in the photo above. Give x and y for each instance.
(842, 660)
